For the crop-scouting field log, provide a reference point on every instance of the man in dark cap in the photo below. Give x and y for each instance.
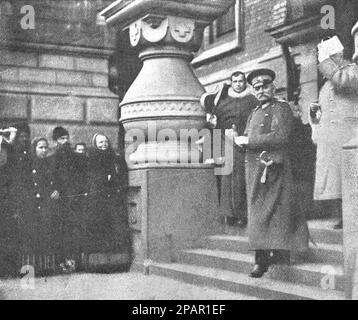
(64, 167)
(273, 227)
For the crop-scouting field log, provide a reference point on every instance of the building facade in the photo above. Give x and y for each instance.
(279, 34)
(54, 68)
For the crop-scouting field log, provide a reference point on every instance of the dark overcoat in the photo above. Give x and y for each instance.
(273, 222)
(64, 174)
(15, 175)
(234, 111)
(42, 221)
(79, 202)
(108, 229)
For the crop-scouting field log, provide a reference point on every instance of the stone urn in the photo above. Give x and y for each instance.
(161, 111)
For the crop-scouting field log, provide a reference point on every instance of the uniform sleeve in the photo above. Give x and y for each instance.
(246, 132)
(342, 74)
(281, 127)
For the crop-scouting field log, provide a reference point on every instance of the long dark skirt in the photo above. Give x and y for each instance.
(107, 224)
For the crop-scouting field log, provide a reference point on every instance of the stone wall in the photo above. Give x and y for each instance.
(50, 89)
(57, 73)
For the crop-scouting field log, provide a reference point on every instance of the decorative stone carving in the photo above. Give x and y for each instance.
(161, 108)
(135, 31)
(154, 28)
(166, 92)
(182, 29)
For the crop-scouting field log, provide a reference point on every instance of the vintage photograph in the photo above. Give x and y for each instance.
(178, 150)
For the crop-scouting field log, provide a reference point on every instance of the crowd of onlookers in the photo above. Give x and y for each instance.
(60, 205)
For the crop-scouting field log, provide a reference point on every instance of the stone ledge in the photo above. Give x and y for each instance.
(149, 166)
(56, 49)
(60, 90)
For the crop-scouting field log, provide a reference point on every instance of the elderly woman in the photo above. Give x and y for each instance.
(39, 221)
(107, 229)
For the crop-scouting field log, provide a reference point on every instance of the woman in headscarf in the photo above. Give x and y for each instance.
(39, 222)
(107, 228)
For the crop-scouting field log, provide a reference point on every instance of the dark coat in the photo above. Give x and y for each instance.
(273, 221)
(15, 185)
(234, 111)
(40, 233)
(303, 158)
(108, 230)
(79, 202)
(64, 175)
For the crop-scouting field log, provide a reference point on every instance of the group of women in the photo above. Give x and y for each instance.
(51, 226)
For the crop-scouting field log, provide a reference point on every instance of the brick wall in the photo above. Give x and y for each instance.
(257, 18)
(261, 50)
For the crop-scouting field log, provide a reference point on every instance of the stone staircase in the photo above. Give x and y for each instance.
(224, 261)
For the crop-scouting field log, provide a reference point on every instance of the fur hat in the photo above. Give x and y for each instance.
(59, 132)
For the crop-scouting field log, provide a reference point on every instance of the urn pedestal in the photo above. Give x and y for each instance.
(173, 199)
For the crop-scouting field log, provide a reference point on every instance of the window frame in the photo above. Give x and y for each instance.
(224, 44)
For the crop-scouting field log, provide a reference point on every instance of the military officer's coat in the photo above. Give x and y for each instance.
(273, 222)
(339, 103)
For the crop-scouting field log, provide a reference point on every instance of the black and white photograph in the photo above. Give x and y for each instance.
(179, 154)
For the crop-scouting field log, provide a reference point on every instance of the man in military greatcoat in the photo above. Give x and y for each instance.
(274, 227)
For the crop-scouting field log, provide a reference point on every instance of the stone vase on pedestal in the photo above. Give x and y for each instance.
(173, 198)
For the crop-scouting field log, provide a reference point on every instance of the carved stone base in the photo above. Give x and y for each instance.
(165, 152)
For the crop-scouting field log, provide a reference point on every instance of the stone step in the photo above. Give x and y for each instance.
(263, 288)
(312, 274)
(321, 231)
(320, 253)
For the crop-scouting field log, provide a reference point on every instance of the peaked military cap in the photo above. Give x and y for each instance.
(256, 75)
